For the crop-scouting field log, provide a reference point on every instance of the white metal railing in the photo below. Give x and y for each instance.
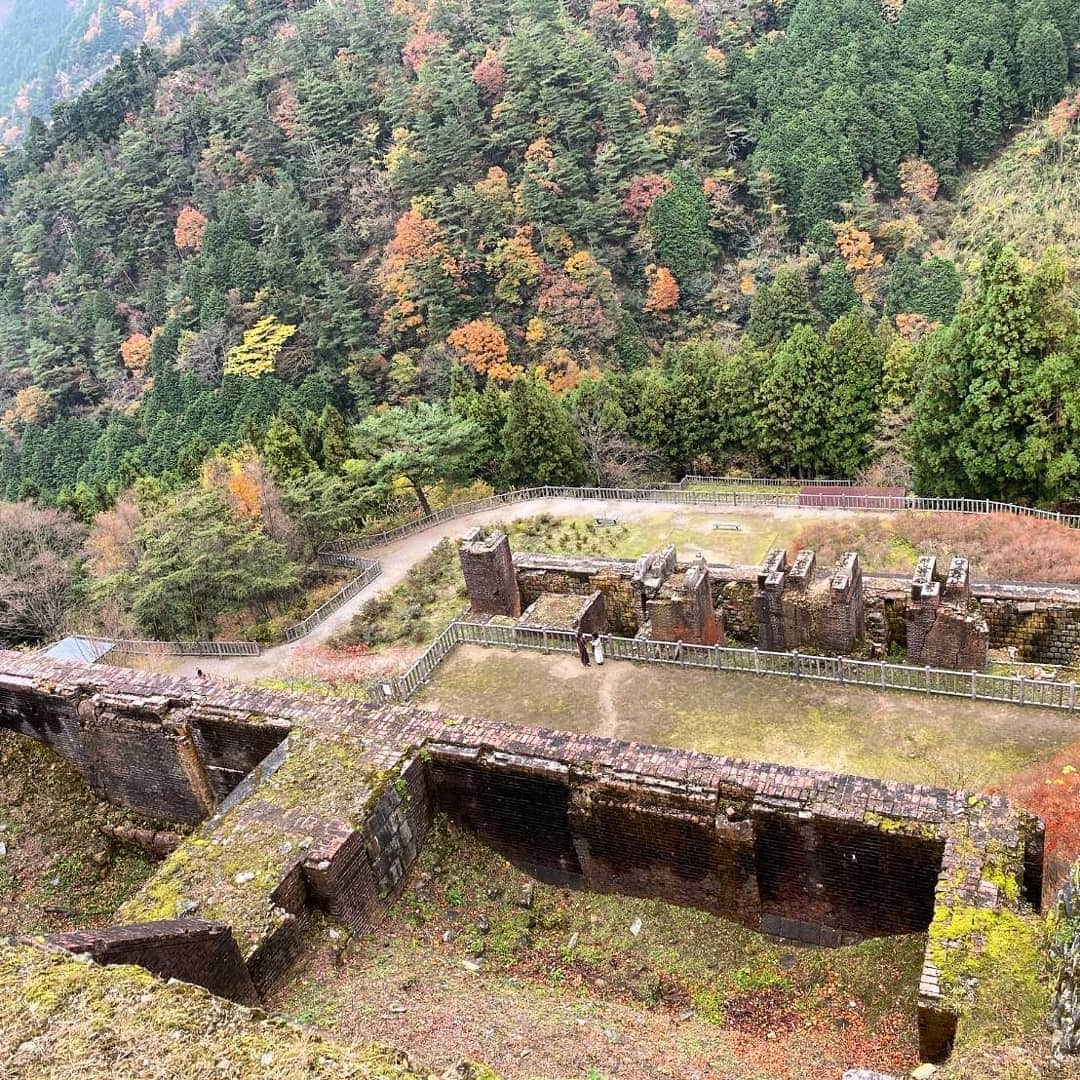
(876, 674)
(134, 647)
(370, 570)
(760, 481)
(681, 496)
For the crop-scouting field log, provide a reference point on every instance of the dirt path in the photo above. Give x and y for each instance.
(397, 558)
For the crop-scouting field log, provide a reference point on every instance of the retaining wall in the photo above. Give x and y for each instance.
(781, 605)
(336, 815)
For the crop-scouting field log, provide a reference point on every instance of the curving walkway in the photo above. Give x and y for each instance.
(398, 557)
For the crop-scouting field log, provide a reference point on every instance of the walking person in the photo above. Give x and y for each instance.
(583, 649)
(598, 650)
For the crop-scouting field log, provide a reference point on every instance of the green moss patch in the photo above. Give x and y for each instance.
(58, 871)
(229, 868)
(60, 1016)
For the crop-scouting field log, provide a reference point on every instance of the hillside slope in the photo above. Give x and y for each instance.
(54, 49)
(1028, 195)
(314, 210)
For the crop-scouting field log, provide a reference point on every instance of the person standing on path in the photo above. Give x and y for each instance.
(598, 650)
(583, 649)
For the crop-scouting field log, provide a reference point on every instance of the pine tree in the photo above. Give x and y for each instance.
(284, 451)
(426, 444)
(336, 446)
(679, 224)
(780, 306)
(998, 413)
(540, 443)
(836, 294)
(1043, 59)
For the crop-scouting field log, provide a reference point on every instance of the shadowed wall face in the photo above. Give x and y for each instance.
(340, 808)
(145, 753)
(683, 844)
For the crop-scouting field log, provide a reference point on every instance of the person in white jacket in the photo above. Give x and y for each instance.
(598, 650)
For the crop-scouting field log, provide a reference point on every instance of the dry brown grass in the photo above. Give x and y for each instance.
(1000, 546)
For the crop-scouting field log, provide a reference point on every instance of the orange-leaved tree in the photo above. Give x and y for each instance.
(481, 345)
(135, 351)
(919, 179)
(663, 295)
(190, 226)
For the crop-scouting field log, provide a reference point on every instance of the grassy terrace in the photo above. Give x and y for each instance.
(894, 735)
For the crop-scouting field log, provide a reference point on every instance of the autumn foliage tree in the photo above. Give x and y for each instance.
(856, 248)
(135, 351)
(919, 180)
(256, 355)
(418, 274)
(481, 345)
(490, 75)
(663, 296)
(190, 226)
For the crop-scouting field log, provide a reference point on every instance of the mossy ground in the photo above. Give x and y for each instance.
(59, 872)
(62, 1018)
(565, 988)
(899, 736)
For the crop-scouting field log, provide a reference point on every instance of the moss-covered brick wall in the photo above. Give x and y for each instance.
(335, 816)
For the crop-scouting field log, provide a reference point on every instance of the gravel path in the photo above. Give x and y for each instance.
(397, 558)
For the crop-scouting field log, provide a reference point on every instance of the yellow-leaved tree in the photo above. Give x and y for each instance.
(256, 355)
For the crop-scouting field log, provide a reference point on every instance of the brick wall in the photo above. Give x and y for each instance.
(682, 609)
(780, 607)
(613, 578)
(1040, 631)
(191, 950)
(335, 817)
(488, 568)
(150, 753)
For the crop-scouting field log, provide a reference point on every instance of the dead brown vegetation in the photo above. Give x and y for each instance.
(1000, 546)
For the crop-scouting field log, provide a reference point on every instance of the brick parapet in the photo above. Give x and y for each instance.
(192, 950)
(338, 819)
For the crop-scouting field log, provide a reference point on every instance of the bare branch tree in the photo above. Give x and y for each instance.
(38, 554)
(611, 456)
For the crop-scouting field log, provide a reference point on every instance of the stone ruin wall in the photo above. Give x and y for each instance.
(488, 568)
(809, 855)
(938, 615)
(682, 609)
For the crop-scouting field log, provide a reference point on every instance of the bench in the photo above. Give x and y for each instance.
(727, 526)
(604, 522)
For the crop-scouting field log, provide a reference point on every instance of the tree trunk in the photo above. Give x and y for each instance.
(421, 498)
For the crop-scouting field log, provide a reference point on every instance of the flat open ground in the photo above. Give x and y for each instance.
(898, 736)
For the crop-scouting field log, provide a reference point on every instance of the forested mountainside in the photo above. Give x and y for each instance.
(51, 50)
(594, 240)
